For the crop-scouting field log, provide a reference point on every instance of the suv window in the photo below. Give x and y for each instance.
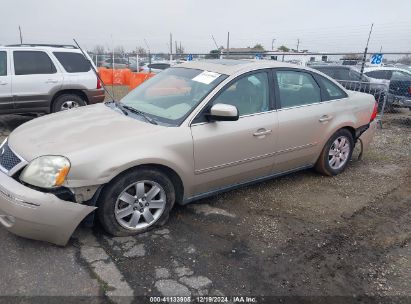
(32, 62)
(3, 63)
(297, 88)
(73, 62)
(332, 90)
(249, 94)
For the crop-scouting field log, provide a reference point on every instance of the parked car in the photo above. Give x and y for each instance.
(156, 67)
(384, 74)
(46, 78)
(119, 63)
(400, 92)
(352, 79)
(192, 131)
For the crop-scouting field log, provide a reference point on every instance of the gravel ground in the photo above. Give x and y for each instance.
(300, 235)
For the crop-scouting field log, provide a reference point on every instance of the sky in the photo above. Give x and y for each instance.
(320, 25)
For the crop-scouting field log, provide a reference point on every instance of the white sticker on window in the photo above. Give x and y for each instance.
(206, 77)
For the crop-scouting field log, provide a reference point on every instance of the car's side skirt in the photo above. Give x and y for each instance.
(242, 184)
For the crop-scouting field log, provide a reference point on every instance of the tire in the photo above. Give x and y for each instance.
(326, 164)
(121, 216)
(68, 101)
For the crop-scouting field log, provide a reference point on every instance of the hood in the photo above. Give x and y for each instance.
(87, 128)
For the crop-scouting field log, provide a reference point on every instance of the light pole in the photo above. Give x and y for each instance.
(272, 44)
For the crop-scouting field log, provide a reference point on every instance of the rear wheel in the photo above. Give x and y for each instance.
(136, 202)
(67, 102)
(336, 154)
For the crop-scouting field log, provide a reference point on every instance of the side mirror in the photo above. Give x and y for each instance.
(223, 112)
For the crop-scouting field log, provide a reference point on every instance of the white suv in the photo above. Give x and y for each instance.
(39, 78)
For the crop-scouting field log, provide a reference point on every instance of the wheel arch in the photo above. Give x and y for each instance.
(171, 173)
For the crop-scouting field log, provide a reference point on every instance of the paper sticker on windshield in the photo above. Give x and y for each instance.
(206, 77)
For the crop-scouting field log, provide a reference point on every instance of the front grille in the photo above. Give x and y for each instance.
(8, 160)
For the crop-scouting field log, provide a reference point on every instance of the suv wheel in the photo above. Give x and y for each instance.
(136, 202)
(336, 154)
(67, 102)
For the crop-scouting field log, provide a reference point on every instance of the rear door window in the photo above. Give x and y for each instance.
(32, 62)
(332, 90)
(297, 88)
(73, 62)
(3, 63)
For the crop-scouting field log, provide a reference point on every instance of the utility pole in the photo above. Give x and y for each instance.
(366, 50)
(298, 44)
(21, 35)
(272, 44)
(228, 43)
(176, 46)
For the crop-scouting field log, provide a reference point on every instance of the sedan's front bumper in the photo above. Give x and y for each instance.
(37, 215)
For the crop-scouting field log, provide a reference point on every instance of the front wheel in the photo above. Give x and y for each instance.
(67, 102)
(136, 202)
(336, 154)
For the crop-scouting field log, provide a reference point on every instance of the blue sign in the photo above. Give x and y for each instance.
(189, 57)
(376, 58)
(258, 56)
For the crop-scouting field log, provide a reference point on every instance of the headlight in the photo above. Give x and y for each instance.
(46, 171)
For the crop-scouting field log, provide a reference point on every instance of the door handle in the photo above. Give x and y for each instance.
(51, 81)
(3, 83)
(325, 118)
(262, 132)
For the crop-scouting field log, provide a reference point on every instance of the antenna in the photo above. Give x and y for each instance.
(216, 45)
(94, 70)
(366, 50)
(21, 35)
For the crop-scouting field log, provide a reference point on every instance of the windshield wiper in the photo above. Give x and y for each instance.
(138, 112)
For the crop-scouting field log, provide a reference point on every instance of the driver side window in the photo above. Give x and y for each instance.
(250, 94)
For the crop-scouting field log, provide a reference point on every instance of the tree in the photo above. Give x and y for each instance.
(180, 49)
(99, 49)
(119, 50)
(214, 54)
(405, 60)
(259, 47)
(141, 51)
(283, 48)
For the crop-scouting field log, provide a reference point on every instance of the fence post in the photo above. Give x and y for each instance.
(382, 109)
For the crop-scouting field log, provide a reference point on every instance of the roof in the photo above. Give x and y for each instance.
(232, 66)
(369, 69)
(59, 47)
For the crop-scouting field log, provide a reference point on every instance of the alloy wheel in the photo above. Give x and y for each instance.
(140, 205)
(339, 152)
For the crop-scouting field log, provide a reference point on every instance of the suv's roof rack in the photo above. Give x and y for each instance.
(68, 46)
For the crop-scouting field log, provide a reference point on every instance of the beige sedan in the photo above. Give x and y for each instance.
(192, 131)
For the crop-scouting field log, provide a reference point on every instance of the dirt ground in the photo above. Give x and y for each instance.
(303, 237)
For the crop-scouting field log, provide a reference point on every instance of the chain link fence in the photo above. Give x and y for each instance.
(388, 78)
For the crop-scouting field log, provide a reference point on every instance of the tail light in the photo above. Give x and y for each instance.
(409, 90)
(374, 112)
(98, 83)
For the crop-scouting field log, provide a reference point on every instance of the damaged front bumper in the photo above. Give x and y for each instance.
(37, 215)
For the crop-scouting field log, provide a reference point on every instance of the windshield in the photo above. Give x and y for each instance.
(172, 94)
